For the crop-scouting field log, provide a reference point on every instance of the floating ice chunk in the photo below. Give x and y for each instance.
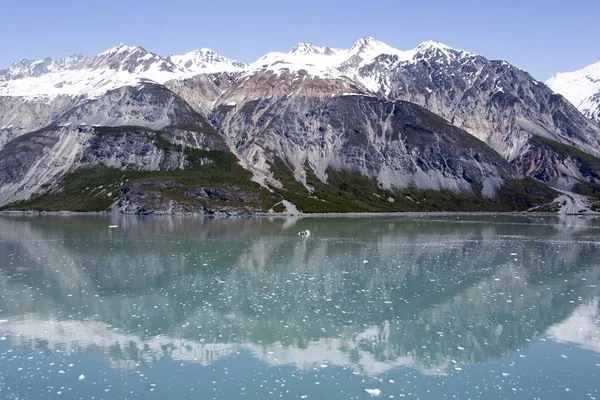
(373, 392)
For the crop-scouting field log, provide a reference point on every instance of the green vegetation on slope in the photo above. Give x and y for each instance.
(96, 188)
(87, 189)
(353, 192)
(590, 189)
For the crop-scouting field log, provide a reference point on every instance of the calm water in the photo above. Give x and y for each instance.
(427, 307)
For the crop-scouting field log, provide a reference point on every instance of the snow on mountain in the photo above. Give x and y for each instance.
(367, 48)
(125, 65)
(204, 61)
(122, 65)
(327, 62)
(315, 60)
(306, 48)
(581, 88)
(31, 68)
(133, 59)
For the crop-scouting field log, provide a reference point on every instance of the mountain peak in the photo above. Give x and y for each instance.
(204, 60)
(365, 40)
(433, 44)
(368, 42)
(305, 48)
(368, 48)
(435, 49)
(122, 48)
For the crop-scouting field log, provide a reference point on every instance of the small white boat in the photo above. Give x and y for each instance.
(305, 233)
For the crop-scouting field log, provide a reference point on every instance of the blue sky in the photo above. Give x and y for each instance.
(542, 37)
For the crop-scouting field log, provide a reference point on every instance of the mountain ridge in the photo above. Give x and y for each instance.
(361, 129)
(140, 63)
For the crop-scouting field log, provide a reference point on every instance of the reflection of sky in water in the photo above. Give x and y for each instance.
(420, 301)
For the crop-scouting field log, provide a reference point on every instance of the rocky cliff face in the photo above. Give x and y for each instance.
(498, 103)
(19, 116)
(398, 144)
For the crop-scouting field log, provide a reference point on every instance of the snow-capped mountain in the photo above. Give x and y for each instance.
(326, 61)
(125, 65)
(32, 68)
(122, 65)
(581, 88)
(204, 61)
(132, 59)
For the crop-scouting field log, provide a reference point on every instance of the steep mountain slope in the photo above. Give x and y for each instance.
(398, 144)
(581, 88)
(89, 168)
(500, 104)
(494, 101)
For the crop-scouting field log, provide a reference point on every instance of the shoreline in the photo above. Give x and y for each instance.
(296, 215)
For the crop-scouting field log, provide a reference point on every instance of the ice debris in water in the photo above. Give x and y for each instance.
(373, 392)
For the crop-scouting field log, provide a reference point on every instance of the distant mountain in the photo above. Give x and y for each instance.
(581, 88)
(33, 68)
(122, 65)
(369, 128)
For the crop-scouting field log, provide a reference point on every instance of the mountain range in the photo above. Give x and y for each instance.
(317, 129)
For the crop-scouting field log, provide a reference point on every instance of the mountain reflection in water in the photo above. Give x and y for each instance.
(427, 292)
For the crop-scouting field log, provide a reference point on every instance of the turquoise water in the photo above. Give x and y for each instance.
(428, 307)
